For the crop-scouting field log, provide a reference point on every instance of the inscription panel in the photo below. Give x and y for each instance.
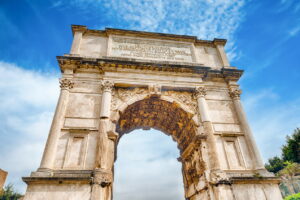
(151, 49)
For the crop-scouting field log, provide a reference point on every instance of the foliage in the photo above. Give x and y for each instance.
(275, 164)
(9, 193)
(290, 170)
(293, 197)
(291, 151)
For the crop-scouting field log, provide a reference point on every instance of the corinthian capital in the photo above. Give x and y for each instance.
(235, 93)
(107, 86)
(66, 84)
(200, 92)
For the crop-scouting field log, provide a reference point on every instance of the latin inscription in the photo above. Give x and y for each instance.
(151, 49)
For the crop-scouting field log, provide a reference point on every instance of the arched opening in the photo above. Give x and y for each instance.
(147, 167)
(153, 112)
(171, 119)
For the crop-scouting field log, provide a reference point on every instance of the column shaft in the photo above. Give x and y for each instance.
(208, 128)
(101, 158)
(57, 123)
(105, 104)
(102, 144)
(102, 163)
(248, 133)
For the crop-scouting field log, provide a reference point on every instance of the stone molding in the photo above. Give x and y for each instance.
(102, 177)
(219, 177)
(112, 64)
(66, 83)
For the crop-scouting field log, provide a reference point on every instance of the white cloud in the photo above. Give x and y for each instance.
(294, 31)
(271, 120)
(28, 100)
(205, 19)
(147, 159)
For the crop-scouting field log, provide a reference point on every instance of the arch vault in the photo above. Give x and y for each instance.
(114, 81)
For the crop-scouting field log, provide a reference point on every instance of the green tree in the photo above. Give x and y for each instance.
(9, 193)
(293, 197)
(275, 164)
(291, 151)
(290, 170)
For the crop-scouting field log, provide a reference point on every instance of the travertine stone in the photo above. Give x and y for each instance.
(115, 81)
(151, 49)
(76, 43)
(3, 175)
(51, 145)
(107, 87)
(208, 128)
(235, 94)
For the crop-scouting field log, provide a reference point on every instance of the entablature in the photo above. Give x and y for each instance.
(100, 65)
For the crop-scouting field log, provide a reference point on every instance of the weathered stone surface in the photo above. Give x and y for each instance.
(115, 81)
(3, 175)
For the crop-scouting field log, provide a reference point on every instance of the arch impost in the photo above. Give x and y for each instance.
(112, 135)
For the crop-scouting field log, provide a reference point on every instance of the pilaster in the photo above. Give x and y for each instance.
(78, 32)
(221, 51)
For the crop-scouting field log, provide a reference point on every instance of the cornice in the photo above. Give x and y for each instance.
(78, 28)
(107, 64)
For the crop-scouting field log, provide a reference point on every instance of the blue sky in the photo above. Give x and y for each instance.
(263, 39)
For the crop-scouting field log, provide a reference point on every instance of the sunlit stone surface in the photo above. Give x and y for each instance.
(115, 81)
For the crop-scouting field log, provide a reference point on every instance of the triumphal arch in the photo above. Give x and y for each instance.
(114, 81)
